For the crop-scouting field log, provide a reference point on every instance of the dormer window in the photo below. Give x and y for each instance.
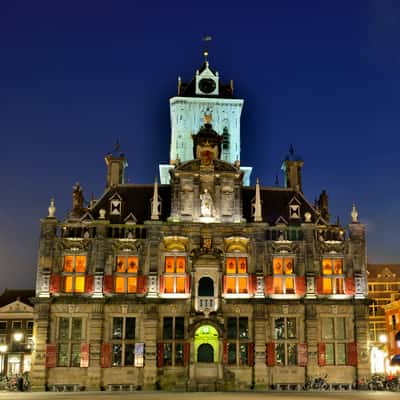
(74, 271)
(115, 206)
(294, 211)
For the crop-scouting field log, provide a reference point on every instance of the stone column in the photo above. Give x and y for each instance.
(41, 315)
(96, 329)
(260, 328)
(361, 335)
(311, 338)
(150, 327)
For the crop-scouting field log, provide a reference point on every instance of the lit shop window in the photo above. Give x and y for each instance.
(174, 274)
(332, 276)
(125, 276)
(236, 278)
(284, 276)
(74, 273)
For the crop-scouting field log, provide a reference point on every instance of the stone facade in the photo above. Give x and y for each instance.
(201, 284)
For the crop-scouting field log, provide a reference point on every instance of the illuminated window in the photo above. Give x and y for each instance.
(286, 338)
(236, 278)
(74, 273)
(332, 276)
(123, 341)
(283, 274)
(333, 332)
(175, 274)
(125, 276)
(69, 338)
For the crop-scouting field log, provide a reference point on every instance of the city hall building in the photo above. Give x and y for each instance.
(200, 282)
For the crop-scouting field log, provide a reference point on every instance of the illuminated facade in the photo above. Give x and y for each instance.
(200, 284)
(16, 331)
(392, 314)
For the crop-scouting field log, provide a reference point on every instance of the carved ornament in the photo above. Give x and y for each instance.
(175, 243)
(236, 244)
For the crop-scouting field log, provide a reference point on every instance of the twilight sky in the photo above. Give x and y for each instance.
(77, 75)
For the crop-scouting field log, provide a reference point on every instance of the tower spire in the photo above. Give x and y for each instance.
(206, 39)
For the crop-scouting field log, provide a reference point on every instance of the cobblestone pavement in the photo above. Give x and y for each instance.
(199, 396)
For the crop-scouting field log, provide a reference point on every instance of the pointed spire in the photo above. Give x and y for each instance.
(206, 39)
(155, 209)
(257, 205)
(52, 209)
(354, 214)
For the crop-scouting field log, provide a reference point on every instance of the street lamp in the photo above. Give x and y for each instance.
(18, 336)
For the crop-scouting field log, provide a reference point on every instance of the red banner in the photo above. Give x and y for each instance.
(321, 354)
(186, 354)
(141, 284)
(270, 350)
(187, 283)
(108, 284)
(84, 355)
(269, 285)
(105, 358)
(250, 349)
(319, 284)
(55, 284)
(300, 285)
(162, 284)
(160, 355)
(351, 354)
(89, 283)
(51, 355)
(350, 286)
(302, 355)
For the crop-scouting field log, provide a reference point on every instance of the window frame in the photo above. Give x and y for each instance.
(238, 342)
(126, 275)
(237, 275)
(336, 341)
(174, 275)
(283, 277)
(334, 278)
(73, 274)
(172, 343)
(285, 340)
(70, 342)
(123, 341)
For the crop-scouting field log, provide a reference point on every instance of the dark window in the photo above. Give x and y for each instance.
(173, 335)
(167, 328)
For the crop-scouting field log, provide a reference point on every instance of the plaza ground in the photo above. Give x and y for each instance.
(368, 395)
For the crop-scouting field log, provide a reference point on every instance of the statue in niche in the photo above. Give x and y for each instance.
(77, 197)
(206, 204)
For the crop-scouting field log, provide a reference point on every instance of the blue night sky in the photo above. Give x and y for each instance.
(76, 76)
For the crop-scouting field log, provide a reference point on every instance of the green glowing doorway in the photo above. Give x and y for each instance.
(206, 344)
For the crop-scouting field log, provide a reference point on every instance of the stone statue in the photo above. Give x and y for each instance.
(77, 197)
(206, 204)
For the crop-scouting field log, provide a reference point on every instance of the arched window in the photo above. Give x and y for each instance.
(206, 287)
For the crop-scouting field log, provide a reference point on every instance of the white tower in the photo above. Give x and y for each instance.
(205, 94)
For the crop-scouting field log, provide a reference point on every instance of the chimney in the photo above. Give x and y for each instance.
(291, 167)
(116, 164)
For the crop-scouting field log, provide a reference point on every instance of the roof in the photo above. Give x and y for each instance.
(136, 199)
(11, 295)
(385, 271)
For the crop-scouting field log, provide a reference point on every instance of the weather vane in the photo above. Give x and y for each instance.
(206, 39)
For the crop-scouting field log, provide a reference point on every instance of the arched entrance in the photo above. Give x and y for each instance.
(205, 353)
(206, 344)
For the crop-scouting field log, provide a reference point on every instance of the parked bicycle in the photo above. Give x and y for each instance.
(316, 383)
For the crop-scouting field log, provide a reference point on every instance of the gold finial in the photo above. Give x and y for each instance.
(207, 118)
(206, 39)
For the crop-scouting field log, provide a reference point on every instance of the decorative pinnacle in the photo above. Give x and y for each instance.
(207, 118)
(354, 214)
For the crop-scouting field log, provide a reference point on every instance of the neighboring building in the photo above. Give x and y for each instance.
(383, 285)
(392, 311)
(16, 331)
(200, 284)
